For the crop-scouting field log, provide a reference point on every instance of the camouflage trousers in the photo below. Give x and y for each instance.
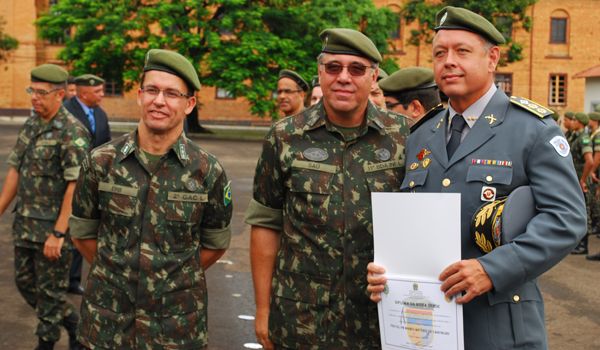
(43, 284)
(593, 203)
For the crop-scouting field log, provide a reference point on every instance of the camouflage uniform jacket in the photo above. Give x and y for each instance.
(47, 157)
(581, 145)
(146, 288)
(315, 188)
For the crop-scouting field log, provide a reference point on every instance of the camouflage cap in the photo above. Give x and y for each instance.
(88, 80)
(570, 115)
(582, 118)
(594, 116)
(349, 42)
(382, 74)
(454, 18)
(290, 74)
(49, 73)
(411, 78)
(173, 63)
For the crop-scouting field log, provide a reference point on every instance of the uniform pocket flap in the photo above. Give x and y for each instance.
(183, 302)
(527, 292)
(414, 179)
(308, 289)
(490, 174)
(310, 181)
(107, 296)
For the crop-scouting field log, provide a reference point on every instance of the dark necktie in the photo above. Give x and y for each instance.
(92, 120)
(456, 127)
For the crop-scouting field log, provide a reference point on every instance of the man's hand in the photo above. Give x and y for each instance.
(376, 281)
(583, 185)
(261, 327)
(465, 276)
(52, 247)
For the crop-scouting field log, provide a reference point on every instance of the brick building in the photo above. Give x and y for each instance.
(560, 66)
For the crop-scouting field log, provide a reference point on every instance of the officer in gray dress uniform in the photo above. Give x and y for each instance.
(495, 145)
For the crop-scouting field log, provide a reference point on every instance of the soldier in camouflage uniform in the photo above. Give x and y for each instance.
(152, 213)
(581, 151)
(44, 165)
(594, 186)
(312, 232)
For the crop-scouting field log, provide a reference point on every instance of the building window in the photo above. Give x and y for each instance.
(112, 88)
(224, 94)
(395, 33)
(558, 30)
(504, 81)
(557, 95)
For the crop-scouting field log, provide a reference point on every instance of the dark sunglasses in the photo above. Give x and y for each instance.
(355, 69)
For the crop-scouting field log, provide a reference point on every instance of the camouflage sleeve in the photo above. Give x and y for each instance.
(216, 232)
(73, 151)
(586, 144)
(596, 143)
(84, 220)
(16, 155)
(266, 207)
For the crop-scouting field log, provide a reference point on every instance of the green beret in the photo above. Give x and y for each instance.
(315, 81)
(349, 42)
(49, 73)
(459, 18)
(555, 115)
(88, 80)
(382, 74)
(172, 63)
(594, 116)
(405, 79)
(582, 118)
(290, 74)
(597, 108)
(570, 115)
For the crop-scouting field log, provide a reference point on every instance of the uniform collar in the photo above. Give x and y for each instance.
(474, 111)
(317, 117)
(180, 148)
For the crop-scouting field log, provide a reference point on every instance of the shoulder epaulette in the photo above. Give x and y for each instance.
(539, 110)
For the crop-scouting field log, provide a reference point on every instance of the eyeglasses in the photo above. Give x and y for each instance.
(390, 105)
(355, 69)
(39, 92)
(286, 91)
(170, 94)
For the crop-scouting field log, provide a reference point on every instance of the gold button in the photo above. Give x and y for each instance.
(489, 178)
(411, 184)
(446, 182)
(516, 298)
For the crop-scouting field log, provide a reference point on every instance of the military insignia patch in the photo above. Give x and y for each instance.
(58, 124)
(126, 148)
(191, 185)
(182, 151)
(561, 146)
(383, 154)
(315, 154)
(423, 153)
(227, 194)
(488, 194)
(80, 142)
(425, 163)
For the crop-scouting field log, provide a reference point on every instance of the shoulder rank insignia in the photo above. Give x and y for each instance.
(531, 106)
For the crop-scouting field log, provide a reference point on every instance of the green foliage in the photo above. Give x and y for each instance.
(7, 42)
(238, 45)
(504, 14)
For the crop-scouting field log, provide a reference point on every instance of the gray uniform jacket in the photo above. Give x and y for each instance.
(509, 146)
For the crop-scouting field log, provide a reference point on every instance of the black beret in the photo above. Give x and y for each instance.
(349, 42)
(286, 73)
(173, 63)
(459, 18)
(49, 73)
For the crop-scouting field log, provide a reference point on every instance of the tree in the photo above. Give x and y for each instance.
(505, 15)
(7, 42)
(238, 45)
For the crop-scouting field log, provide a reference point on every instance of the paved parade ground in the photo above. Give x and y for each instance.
(571, 290)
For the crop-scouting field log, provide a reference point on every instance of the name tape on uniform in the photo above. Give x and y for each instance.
(114, 188)
(187, 197)
(302, 164)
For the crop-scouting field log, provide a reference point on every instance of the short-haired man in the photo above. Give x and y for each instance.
(582, 153)
(412, 92)
(152, 211)
(487, 141)
(291, 90)
(376, 94)
(311, 236)
(43, 168)
(315, 93)
(71, 89)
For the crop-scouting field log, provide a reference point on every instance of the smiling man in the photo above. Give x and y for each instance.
(486, 142)
(291, 92)
(311, 236)
(152, 212)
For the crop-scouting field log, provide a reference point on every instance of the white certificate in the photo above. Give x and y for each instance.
(416, 236)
